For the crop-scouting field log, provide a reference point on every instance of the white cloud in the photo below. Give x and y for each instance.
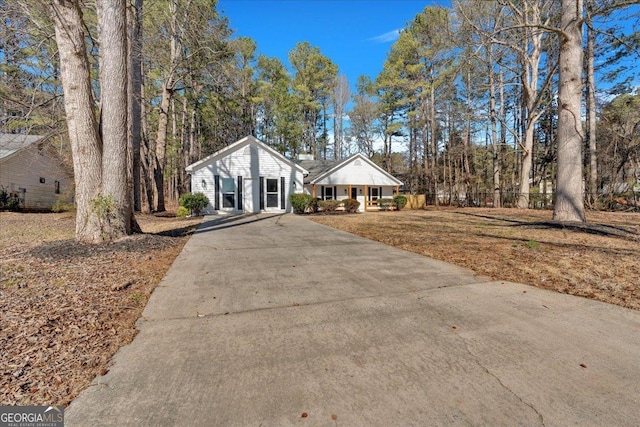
(387, 37)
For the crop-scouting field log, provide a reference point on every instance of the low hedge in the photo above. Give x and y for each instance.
(328, 205)
(195, 202)
(385, 204)
(302, 203)
(400, 201)
(350, 205)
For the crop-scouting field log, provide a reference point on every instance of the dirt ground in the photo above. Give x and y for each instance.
(65, 307)
(599, 260)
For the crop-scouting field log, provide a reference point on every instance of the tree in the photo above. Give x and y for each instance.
(313, 82)
(112, 19)
(340, 98)
(364, 115)
(100, 168)
(569, 203)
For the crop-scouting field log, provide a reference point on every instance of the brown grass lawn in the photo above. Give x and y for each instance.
(66, 308)
(600, 260)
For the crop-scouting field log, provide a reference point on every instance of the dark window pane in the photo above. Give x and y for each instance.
(272, 185)
(328, 193)
(272, 200)
(228, 200)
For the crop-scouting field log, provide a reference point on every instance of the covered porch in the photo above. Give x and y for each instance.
(366, 195)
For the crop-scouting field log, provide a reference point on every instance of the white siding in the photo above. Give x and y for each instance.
(251, 162)
(24, 170)
(357, 172)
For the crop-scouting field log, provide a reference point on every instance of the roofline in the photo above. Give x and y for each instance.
(348, 159)
(232, 147)
(41, 138)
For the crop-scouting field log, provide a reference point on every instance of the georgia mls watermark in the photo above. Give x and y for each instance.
(31, 416)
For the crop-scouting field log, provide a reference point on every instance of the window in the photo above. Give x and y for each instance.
(272, 193)
(57, 187)
(328, 193)
(374, 193)
(228, 193)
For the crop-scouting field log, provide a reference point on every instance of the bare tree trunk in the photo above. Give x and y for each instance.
(146, 154)
(163, 118)
(113, 84)
(503, 131)
(466, 149)
(591, 116)
(434, 144)
(569, 204)
(86, 146)
(135, 97)
(530, 57)
(494, 131)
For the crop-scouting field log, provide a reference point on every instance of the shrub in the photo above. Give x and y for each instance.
(350, 205)
(182, 212)
(195, 202)
(302, 203)
(328, 205)
(8, 201)
(385, 204)
(400, 201)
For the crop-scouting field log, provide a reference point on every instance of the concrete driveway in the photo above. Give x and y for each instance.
(272, 320)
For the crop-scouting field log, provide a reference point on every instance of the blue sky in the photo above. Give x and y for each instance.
(355, 34)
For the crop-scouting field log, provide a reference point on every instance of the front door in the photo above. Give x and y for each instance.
(354, 193)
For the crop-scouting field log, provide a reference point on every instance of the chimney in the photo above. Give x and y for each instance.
(304, 156)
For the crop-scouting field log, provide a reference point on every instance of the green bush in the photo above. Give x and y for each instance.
(8, 201)
(385, 204)
(327, 206)
(400, 201)
(302, 203)
(350, 205)
(195, 202)
(182, 212)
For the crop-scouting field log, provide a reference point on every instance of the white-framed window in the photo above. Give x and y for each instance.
(328, 193)
(375, 194)
(228, 193)
(272, 192)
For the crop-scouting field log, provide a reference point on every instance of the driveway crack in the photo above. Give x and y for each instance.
(506, 387)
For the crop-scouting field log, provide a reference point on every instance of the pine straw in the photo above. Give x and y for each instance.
(67, 307)
(597, 260)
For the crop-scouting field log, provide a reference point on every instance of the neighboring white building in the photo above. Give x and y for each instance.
(32, 169)
(355, 177)
(247, 176)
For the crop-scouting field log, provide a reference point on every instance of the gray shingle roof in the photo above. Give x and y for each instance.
(13, 142)
(316, 167)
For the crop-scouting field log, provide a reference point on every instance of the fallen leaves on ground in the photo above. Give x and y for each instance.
(68, 307)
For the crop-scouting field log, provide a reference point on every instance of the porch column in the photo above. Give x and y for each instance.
(397, 189)
(366, 192)
(349, 194)
(313, 190)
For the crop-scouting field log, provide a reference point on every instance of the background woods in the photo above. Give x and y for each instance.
(473, 105)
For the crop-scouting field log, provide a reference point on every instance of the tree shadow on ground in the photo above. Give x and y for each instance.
(585, 227)
(582, 227)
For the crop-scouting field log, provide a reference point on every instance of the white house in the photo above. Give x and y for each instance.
(355, 177)
(32, 170)
(250, 176)
(247, 176)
